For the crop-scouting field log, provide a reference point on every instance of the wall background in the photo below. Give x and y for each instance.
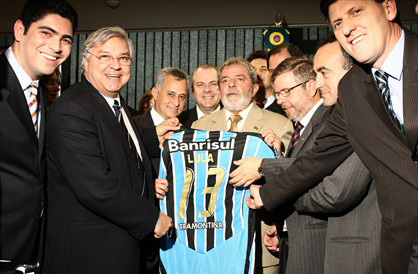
(186, 34)
(168, 14)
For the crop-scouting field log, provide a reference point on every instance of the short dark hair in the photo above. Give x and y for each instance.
(324, 7)
(258, 54)
(205, 66)
(301, 67)
(347, 61)
(35, 10)
(293, 50)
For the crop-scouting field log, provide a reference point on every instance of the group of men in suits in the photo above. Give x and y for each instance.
(99, 200)
(375, 117)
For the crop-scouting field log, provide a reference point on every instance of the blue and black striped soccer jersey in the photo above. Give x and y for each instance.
(214, 228)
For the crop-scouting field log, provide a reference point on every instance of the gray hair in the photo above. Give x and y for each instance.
(173, 71)
(301, 67)
(242, 62)
(100, 36)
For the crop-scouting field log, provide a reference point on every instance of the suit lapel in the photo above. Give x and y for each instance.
(371, 93)
(310, 129)
(219, 121)
(254, 120)
(108, 117)
(410, 90)
(16, 98)
(43, 108)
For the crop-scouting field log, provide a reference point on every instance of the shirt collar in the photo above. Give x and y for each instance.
(393, 64)
(24, 79)
(200, 113)
(156, 117)
(111, 101)
(243, 113)
(305, 120)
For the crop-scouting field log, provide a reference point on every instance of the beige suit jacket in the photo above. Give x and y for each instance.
(257, 120)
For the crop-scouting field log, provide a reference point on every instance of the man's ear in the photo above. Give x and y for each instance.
(154, 92)
(390, 9)
(311, 87)
(19, 30)
(85, 63)
(255, 89)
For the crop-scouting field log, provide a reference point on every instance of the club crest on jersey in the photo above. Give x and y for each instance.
(175, 145)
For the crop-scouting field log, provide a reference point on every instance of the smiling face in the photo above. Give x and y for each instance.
(108, 78)
(364, 28)
(328, 65)
(237, 89)
(206, 89)
(170, 100)
(46, 44)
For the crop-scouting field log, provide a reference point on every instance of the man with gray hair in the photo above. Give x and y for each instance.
(100, 184)
(170, 94)
(238, 85)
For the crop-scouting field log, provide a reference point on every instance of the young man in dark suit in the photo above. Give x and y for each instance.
(375, 117)
(43, 37)
(100, 185)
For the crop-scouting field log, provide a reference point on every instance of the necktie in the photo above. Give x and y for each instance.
(131, 144)
(33, 104)
(295, 138)
(234, 122)
(382, 83)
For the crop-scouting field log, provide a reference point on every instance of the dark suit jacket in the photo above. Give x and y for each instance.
(187, 117)
(22, 168)
(275, 107)
(144, 121)
(361, 123)
(96, 214)
(306, 233)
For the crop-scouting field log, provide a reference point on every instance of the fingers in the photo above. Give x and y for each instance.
(162, 226)
(161, 188)
(250, 203)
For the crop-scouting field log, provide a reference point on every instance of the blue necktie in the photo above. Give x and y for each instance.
(382, 83)
(295, 138)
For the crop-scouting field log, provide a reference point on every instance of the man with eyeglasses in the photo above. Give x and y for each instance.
(205, 88)
(295, 90)
(100, 183)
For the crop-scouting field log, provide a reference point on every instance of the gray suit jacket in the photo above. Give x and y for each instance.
(360, 122)
(348, 197)
(307, 233)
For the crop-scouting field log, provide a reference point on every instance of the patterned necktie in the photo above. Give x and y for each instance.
(131, 144)
(33, 104)
(382, 83)
(295, 138)
(234, 122)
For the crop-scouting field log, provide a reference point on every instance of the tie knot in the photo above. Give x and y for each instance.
(34, 88)
(236, 118)
(381, 76)
(298, 127)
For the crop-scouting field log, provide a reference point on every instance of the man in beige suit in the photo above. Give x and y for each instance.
(238, 86)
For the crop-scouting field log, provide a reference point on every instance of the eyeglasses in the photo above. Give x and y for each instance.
(107, 59)
(286, 91)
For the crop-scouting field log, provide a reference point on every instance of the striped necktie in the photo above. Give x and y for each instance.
(33, 104)
(295, 138)
(382, 83)
(234, 122)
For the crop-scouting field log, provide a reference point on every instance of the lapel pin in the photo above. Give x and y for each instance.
(255, 127)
